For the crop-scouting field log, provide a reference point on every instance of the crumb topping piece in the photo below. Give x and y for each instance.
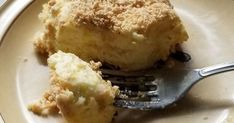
(77, 91)
(117, 15)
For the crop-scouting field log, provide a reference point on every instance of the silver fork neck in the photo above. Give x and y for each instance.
(215, 69)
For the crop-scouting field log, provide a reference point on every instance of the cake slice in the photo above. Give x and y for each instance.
(77, 91)
(129, 34)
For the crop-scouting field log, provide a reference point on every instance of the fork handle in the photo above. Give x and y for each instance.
(215, 69)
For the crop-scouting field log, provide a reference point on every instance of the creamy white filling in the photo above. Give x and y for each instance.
(72, 69)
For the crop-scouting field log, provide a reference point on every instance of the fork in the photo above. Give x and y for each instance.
(158, 88)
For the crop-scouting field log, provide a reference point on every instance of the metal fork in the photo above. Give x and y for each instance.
(158, 88)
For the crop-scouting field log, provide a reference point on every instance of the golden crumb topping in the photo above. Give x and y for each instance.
(118, 15)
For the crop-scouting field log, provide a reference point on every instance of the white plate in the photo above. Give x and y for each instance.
(24, 76)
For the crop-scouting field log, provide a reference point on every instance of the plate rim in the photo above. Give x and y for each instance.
(12, 10)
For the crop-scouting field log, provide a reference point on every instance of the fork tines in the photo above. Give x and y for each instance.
(136, 89)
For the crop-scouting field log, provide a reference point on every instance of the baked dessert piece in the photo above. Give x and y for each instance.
(77, 91)
(130, 34)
